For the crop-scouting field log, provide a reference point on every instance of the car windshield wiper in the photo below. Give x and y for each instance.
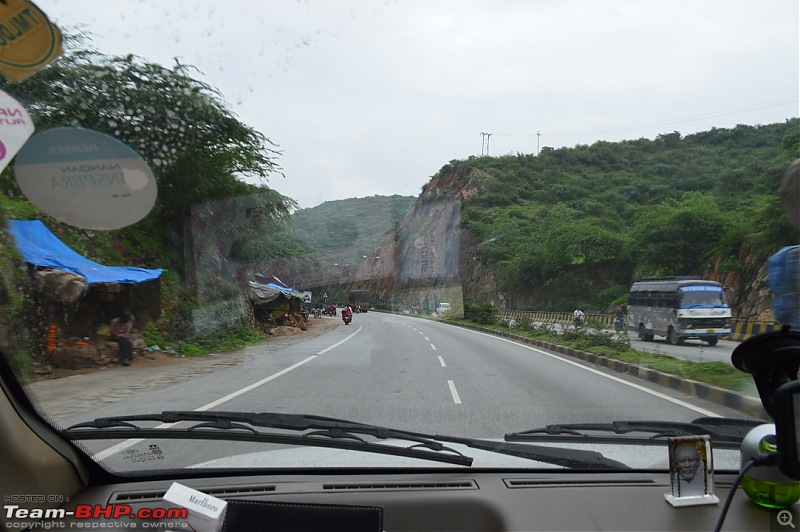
(323, 432)
(238, 426)
(560, 456)
(723, 431)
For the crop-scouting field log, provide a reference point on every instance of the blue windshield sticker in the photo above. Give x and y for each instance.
(702, 288)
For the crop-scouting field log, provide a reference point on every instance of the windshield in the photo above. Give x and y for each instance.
(387, 215)
(702, 296)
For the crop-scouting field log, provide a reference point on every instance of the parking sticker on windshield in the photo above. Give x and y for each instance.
(153, 452)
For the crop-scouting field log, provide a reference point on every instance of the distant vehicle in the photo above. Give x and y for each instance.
(442, 309)
(679, 308)
(360, 298)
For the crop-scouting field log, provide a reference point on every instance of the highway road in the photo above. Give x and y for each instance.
(406, 373)
(692, 349)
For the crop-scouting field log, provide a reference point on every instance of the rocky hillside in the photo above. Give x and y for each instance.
(576, 226)
(343, 233)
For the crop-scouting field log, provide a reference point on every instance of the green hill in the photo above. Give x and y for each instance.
(343, 233)
(575, 226)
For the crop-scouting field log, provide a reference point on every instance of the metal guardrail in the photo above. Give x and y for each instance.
(740, 329)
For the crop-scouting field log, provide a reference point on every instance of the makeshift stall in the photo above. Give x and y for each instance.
(273, 302)
(75, 297)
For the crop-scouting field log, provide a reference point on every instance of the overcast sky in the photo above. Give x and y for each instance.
(373, 97)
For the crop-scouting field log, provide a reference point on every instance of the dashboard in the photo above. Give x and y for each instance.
(461, 500)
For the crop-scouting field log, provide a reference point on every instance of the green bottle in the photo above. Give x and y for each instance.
(766, 485)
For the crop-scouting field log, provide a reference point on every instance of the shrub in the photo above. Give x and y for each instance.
(485, 313)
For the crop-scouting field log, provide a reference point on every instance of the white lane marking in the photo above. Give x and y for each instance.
(419, 331)
(253, 386)
(678, 402)
(454, 393)
(340, 342)
(441, 361)
(428, 339)
(102, 455)
(433, 347)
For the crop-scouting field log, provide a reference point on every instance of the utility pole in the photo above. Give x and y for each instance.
(485, 143)
(538, 134)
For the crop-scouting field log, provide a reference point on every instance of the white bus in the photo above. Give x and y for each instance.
(679, 308)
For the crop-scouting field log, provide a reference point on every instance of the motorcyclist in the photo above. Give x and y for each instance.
(619, 319)
(347, 312)
(578, 316)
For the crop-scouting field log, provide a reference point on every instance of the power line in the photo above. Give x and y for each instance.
(725, 112)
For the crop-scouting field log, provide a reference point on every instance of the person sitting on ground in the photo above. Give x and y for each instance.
(121, 328)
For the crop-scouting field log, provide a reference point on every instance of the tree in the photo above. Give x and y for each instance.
(679, 237)
(198, 149)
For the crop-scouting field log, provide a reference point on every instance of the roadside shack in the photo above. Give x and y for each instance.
(273, 303)
(75, 298)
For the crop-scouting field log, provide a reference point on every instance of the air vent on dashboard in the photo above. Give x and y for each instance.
(129, 497)
(393, 486)
(589, 483)
(226, 492)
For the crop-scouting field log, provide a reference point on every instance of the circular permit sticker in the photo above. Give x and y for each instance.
(85, 178)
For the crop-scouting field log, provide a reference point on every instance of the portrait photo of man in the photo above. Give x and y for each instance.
(689, 470)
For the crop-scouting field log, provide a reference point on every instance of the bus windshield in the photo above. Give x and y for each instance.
(703, 295)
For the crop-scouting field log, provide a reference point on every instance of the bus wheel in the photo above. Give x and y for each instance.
(672, 337)
(712, 340)
(643, 334)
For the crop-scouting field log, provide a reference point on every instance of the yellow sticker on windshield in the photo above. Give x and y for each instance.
(28, 40)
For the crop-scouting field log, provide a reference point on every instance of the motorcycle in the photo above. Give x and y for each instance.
(619, 324)
(347, 318)
(317, 312)
(304, 314)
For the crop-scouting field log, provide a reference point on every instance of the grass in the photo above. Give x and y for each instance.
(221, 340)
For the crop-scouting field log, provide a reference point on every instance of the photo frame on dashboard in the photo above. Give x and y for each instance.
(691, 471)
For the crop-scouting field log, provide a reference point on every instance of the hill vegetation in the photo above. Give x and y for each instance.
(567, 227)
(343, 234)
(575, 226)
(350, 227)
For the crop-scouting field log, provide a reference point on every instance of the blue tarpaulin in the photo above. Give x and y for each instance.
(42, 248)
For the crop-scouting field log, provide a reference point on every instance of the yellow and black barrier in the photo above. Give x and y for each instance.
(555, 317)
(741, 330)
